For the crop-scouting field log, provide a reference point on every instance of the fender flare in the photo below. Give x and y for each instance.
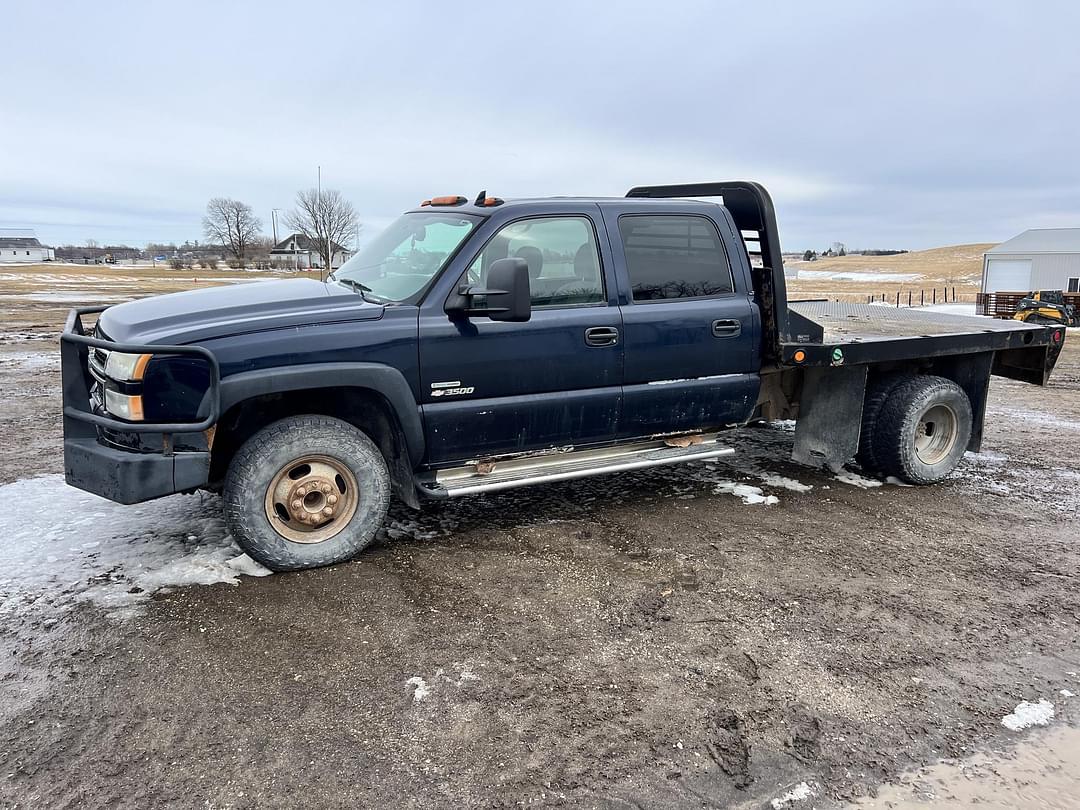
(384, 380)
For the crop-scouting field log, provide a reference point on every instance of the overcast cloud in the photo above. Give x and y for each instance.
(912, 125)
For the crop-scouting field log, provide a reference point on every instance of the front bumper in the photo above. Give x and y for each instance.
(126, 476)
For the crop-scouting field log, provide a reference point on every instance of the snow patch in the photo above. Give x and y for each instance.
(783, 482)
(856, 480)
(1028, 714)
(420, 688)
(800, 792)
(31, 361)
(747, 493)
(952, 309)
(70, 298)
(63, 546)
(854, 275)
(1038, 418)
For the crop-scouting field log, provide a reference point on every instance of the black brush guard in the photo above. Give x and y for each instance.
(126, 475)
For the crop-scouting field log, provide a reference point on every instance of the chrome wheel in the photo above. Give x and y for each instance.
(311, 499)
(935, 434)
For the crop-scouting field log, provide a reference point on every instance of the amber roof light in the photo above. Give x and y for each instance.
(448, 200)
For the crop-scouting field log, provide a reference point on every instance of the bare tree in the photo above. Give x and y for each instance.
(91, 243)
(231, 223)
(325, 218)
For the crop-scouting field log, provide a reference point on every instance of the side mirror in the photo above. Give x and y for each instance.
(507, 296)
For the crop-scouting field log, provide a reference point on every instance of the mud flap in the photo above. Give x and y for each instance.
(830, 416)
(972, 373)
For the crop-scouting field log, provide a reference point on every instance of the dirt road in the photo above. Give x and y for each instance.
(660, 639)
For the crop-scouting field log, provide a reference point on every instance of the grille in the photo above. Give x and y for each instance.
(98, 357)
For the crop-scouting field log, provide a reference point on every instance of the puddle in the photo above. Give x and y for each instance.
(1043, 771)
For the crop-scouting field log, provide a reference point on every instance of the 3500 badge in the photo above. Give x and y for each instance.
(454, 389)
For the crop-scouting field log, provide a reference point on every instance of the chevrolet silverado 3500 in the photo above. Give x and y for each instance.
(479, 345)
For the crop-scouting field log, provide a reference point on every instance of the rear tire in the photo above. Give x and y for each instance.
(877, 393)
(306, 491)
(923, 429)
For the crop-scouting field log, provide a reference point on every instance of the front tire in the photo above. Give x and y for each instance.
(306, 491)
(923, 429)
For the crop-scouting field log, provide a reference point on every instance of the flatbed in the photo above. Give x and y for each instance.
(870, 333)
(856, 323)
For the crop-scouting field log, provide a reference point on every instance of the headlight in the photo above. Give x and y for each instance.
(126, 367)
(124, 405)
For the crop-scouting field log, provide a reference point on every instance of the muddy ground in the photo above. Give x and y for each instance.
(644, 640)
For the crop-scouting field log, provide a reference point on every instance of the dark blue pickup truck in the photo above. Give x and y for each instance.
(478, 345)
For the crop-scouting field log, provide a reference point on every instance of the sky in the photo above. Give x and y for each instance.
(880, 125)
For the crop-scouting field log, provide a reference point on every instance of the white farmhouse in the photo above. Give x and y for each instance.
(298, 252)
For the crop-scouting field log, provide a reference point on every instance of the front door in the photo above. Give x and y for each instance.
(691, 328)
(491, 388)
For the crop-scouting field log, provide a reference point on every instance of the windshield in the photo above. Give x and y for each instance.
(401, 260)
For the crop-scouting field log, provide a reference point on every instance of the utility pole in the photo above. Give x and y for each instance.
(326, 234)
(273, 220)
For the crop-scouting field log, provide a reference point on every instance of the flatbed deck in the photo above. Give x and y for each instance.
(830, 333)
(853, 323)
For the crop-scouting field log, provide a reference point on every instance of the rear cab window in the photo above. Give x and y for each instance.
(674, 256)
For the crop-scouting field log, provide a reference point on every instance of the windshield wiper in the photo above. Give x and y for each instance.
(363, 289)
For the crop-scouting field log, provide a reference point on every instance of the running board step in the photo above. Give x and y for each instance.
(543, 468)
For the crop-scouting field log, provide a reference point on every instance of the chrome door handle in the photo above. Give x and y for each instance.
(601, 336)
(727, 327)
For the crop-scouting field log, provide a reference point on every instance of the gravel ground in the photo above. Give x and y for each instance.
(644, 640)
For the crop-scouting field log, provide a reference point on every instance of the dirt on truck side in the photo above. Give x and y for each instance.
(738, 632)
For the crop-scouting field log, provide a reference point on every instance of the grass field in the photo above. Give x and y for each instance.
(35, 298)
(852, 278)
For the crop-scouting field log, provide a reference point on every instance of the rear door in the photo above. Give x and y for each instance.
(691, 328)
(491, 388)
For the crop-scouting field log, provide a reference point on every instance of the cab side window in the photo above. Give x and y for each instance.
(674, 256)
(564, 264)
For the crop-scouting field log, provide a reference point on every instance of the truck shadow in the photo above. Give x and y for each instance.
(761, 455)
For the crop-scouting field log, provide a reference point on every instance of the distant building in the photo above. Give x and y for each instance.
(81, 254)
(299, 252)
(1039, 259)
(22, 246)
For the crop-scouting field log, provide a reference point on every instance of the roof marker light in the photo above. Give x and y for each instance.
(453, 199)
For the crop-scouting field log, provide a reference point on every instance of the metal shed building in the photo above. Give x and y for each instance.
(1039, 259)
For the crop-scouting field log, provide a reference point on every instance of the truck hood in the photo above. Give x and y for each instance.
(188, 317)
